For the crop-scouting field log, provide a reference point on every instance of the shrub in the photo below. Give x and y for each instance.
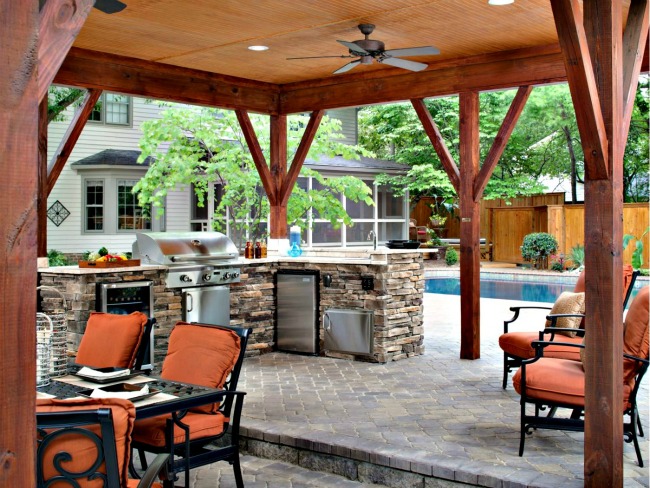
(434, 240)
(537, 247)
(577, 256)
(451, 256)
(56, 258)
(637, 254)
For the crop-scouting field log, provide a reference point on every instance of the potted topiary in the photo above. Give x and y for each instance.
(537, 247)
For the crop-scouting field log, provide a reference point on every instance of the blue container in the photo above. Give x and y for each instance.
(294, 236)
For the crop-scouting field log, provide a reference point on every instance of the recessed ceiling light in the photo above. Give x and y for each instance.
(258, 48)
(500, 2)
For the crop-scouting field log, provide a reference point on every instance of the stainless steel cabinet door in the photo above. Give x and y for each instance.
(297, 313)
(207, 305)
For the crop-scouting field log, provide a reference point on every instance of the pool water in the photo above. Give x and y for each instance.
(505, 290)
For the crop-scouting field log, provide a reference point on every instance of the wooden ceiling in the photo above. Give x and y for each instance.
(214, 35)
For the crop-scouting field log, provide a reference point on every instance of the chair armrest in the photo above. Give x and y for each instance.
(516, 311)
(157, 466)
(634, 358)
(540, 345)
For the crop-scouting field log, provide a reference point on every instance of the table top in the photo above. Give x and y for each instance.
(173, 396)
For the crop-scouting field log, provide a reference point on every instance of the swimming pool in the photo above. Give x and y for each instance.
(505, 290)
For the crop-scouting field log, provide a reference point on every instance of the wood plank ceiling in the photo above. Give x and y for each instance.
(213, 35)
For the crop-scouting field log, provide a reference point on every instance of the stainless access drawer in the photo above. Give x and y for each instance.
(349, 331)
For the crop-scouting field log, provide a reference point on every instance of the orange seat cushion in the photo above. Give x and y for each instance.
(151, 431)
(111, 340)
(635, 338)
(84, 451)
(518, 344)
(201, 355)
(558, 381)
(134, 484)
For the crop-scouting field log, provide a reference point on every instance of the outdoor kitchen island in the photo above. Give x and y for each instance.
(394, 282)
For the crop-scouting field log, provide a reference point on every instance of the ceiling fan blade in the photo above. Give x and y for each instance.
(353, 47)
(319, 57)
(413, 51)
(109, 6)
(347, 67)
(404, 63)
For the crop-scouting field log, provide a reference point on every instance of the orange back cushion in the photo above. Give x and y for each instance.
(201, 354)
(83, 451)
(111, 340)
(635, 340)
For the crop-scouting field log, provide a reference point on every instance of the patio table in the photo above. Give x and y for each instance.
(174, 396)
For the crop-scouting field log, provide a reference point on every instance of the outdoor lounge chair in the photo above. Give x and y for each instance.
(115, 341)
(517, 346)
(417, 232)
(560, 383)
(81, 442)
(205, 355)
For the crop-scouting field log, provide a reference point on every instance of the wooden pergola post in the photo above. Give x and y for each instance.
(602, 82)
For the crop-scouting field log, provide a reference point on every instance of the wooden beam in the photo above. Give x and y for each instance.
(61, 21)
(278, 164)
(18, 227)
(488, 72)
(258, 156)
(438, 142)
(501, 140)
(470, 265)
(91, 69)
(41, 212)
(300, 156)
(70, 138)
(635, 41)
(582, 84)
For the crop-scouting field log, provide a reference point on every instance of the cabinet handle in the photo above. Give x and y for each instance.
(190, 302)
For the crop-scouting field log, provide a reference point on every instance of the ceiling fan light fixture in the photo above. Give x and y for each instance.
(258, 48)
(500, 2)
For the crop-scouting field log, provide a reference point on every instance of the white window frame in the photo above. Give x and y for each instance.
(102, 111)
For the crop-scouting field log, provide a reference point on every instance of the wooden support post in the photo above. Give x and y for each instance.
(470, 255)
(42, 179)
(603, 258)
(598, 55)
(278, 220)
(18, 226)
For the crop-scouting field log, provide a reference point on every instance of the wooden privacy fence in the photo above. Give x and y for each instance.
(505, 226)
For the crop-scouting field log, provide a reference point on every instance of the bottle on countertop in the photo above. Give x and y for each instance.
(258, 250)
(264, 250)
(248, 250)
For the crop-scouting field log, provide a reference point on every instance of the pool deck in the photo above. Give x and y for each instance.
(409, 422)
(425, 422)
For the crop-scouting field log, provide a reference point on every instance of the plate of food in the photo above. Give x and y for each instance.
(121, 390)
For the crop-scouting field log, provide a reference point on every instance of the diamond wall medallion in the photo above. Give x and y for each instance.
(57, 213)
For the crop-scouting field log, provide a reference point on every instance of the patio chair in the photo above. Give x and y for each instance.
(115, 341)
(205, 355)
(517, 346)
(82, 442)
(560, 383)
(417, 232)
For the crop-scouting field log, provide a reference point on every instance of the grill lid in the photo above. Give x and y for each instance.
(171, 249)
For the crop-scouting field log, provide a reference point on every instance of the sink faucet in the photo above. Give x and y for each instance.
(372, 236)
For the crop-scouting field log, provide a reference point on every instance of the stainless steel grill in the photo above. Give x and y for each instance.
(193, 258)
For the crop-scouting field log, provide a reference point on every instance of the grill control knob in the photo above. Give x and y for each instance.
(185, 279)
(235, 274)
(226, 275)
(207, 277)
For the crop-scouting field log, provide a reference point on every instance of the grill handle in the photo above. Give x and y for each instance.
(214, 257)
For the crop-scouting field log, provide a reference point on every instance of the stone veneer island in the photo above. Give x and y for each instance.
(395, 300)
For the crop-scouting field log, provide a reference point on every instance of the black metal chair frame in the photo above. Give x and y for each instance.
(140, 356)
(199, 454)
(576, 422)
(52, 426)
(512, 363)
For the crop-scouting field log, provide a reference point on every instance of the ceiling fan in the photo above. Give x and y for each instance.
(368, 50)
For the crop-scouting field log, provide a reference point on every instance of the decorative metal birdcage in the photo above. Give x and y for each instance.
(58, 343)
(44, 330)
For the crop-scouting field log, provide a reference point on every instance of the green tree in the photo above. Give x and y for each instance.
(192, 146)
(60, 98)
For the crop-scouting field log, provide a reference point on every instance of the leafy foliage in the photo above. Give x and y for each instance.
(191, 146)
(577, 256)
(637, 254)
(538, 246)
(59, 98)
(56, 258)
